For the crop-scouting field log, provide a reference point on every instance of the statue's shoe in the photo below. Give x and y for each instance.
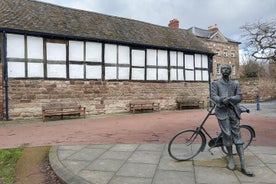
(231, 165)
(247, 172)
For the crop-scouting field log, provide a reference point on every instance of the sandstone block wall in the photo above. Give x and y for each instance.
(26, 97)
(264, 87)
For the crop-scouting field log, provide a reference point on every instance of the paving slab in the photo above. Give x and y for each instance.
(151, 164)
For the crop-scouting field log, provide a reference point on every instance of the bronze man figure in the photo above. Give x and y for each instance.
(227, 95)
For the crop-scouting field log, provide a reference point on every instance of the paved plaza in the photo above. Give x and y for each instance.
(150, 163)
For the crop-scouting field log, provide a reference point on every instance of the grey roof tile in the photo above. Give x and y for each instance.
(34, 16)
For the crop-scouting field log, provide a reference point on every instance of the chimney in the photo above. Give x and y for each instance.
(174, 23)
(213, 28)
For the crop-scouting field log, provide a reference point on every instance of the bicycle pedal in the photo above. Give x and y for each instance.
(210, 151)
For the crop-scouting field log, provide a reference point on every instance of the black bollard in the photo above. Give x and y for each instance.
(258, 102)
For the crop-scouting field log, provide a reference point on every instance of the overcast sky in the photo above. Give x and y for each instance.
(229, 15)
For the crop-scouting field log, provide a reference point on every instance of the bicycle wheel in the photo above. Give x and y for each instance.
(247, 137)
(186, 145)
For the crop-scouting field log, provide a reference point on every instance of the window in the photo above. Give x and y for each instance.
(56, 59)
(225, 54)
(138, 64)
(189, 67)
(38, 57)
(117, 62)
(177, 66)
(218, 52)
(201, 67)
(233, 70)
(218, 68)
(233, 54)
(93, 59)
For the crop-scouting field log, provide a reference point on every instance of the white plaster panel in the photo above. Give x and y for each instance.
(198, 75)
(76, 71)
(173, 74)
(76, 51)
(93, 52)
(110, 53)
(204, 61)
(180, 74)
(35, 47)
(110, 73)
(123, 73)
(56, 70)
(151, 74)
(138, 57)
(35, 70)
(56, 51)
(180, 60)
(16, 69)
(15, 46)
(205, 76)
(151, 57)
(173, 58)
(124, 57)
(93, 72)
(162, 58)
(189, 75)
(138, 74)
(189, 61)
(162, 74)
(198, 60)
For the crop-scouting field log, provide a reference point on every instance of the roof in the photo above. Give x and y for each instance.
(203, 33)
(34, 16)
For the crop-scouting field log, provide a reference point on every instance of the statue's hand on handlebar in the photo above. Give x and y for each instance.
(226, 101)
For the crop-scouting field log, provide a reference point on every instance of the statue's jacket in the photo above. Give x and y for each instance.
(221, 89)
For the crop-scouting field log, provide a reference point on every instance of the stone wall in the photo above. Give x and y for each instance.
(264, 87)
(26, 97)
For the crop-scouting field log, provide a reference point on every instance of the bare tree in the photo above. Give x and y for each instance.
(261, 40)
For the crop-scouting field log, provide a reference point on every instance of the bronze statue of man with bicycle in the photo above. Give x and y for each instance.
(227, 95)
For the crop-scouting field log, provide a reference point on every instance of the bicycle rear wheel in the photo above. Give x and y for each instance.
(186, 144)
(247, 137)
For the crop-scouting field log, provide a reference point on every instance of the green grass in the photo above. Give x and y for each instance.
(8, 159)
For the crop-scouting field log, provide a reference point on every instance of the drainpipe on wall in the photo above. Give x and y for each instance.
(5, 75)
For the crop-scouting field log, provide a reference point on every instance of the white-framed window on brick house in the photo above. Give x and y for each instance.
(225, 53)
(217, 52)
(201, 67)
(189, 67)
(218, 66)
(117, 62)
(233, 70)
(233, 54)
(176, 66)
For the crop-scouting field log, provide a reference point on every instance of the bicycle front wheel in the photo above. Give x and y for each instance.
(186, 144)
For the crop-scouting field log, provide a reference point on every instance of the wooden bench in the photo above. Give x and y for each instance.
(188, 102)
(140, 105)
(62, 109)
